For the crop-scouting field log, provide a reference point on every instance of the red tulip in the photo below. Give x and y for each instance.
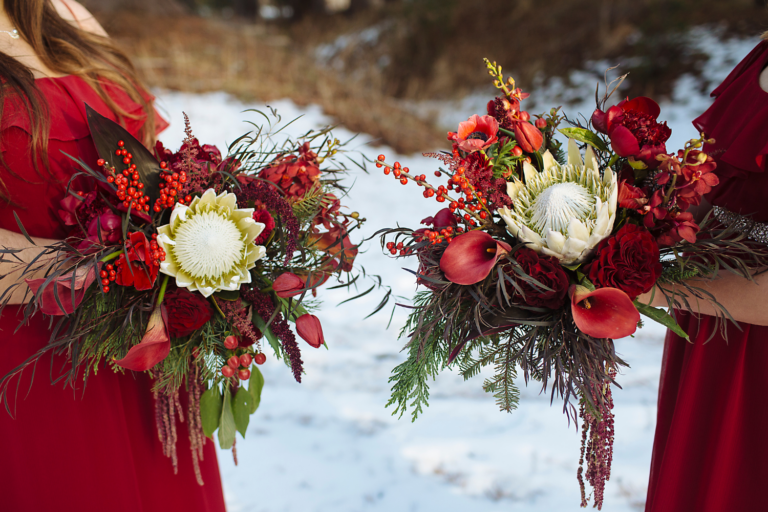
(288, 285)
(470, 257)
(528, 137)
(603, 313)
(154, 346)
(309, 328)
(62, 286)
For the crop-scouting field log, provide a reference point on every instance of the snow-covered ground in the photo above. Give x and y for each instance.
(330, 445)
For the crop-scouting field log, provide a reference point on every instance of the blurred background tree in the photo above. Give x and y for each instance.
(367, 61)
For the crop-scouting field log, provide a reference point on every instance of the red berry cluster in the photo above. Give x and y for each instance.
(107, 275)
(239, 364)
(129, 187)
(472, 202)
(170, 188)
(158, 253)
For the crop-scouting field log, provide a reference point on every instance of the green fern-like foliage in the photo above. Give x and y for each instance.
(307, 207)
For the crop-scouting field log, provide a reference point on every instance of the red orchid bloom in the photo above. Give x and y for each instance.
(476, 133)
(470, 257)
(337, 244)
(140, 271)
(154, 346)
(633, 129)
(681, 227)
(62, 287)
(309, 328)
(653, 210)
(698, 173)
(631, 197)
(603, 313)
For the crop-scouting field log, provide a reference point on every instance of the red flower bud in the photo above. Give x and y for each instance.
(528, 136)
(288, 285)
(309, 328)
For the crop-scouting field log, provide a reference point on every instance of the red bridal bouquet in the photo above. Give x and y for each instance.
(539, 253)
(188, 265)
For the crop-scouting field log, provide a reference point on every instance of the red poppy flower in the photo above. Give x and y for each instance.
(633, 129)
(603, 313)
(62, 287)
(154, 346)
(309, 328)
(476, 133)
(140, 270)
(470, 257)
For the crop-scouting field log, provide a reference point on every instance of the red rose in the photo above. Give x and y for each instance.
(263, 216)
(547, 271)
(629, 261)
(187, 312)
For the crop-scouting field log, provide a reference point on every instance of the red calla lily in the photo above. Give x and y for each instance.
(62, 286)
(470, 257)
(309, 328)
(154, 346)
(603, 313)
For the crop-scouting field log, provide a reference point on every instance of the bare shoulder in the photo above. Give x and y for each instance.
(79, 15)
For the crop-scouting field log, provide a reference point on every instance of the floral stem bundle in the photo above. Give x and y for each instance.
(535, 262)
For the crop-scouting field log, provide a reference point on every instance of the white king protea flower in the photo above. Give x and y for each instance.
(565, 210)
(209, 244)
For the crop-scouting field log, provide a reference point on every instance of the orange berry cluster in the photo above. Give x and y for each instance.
(472, 202)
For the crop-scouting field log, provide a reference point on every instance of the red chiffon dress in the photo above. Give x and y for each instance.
(79, 450)
(710, 453)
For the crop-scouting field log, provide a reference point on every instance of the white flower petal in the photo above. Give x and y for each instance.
(555, 241)
(590, 161)
(548, 159)
(528, 235)
(513, 188)
(577, 229)
(574, 155)
(529, 172)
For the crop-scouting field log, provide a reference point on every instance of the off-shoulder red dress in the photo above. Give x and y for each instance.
(710, 453)
(79, 450)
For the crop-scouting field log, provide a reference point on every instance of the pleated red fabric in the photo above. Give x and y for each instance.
(710, 453)
(93, 448)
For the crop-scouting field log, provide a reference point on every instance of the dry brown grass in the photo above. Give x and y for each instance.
(257, 62)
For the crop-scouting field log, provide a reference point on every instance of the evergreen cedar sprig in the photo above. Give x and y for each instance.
(258, 190)
(265, 308)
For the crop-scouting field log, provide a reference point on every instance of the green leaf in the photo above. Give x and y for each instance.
(584, 135)
(210, 410)
(227, 295)
(242, 410)
(585, 282)
(106, 134)
(227, 427)
(255, 385)
(262, 325)
(662, 317)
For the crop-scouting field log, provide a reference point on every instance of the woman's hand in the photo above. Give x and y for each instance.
(11, 269)
(746, 301)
